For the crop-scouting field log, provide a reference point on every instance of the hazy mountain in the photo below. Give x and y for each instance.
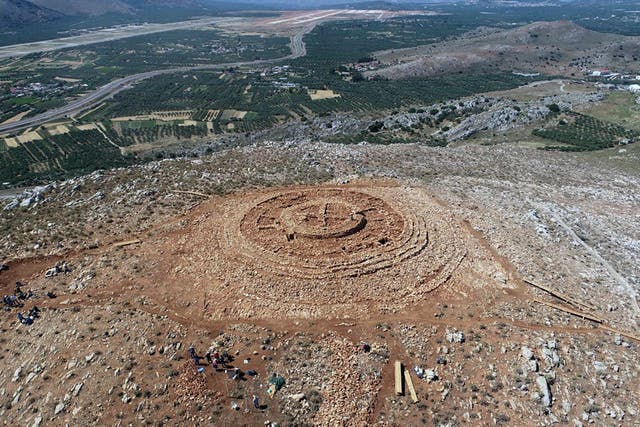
(17, 12)
(186, 4)
(310, 4)
(84, 7)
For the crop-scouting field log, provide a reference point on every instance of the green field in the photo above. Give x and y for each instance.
(59, 156)
(270, 98)
(25, 100)
(620, 108)
(138, 124)
(580, 132)
(97, 64)
(329, 47)
(107, 69)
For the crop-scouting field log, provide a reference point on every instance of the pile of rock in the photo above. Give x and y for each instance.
(190, 384)
(30, 197)
(351, 373)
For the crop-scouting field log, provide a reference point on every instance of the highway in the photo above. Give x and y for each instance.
(86, 102)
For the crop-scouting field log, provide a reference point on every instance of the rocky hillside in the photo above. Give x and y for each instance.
(17, 12)
(110, 341)
(84, 7)
(21, 12)
(554, 48)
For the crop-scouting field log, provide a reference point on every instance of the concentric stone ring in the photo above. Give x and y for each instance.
(317, 251)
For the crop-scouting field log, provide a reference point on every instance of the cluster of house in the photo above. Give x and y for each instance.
(279, 70)
(217, 48)
(363, 66)
(221, 49)
(610, 75)
(274, 71)
(42, 88)
(347, 71)
(34, 88)
(283, 83)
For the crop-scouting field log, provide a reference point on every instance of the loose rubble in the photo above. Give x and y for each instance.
(111, 341)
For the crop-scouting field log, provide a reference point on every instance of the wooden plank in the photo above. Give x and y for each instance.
(592, 318)
(560, 296)
(127, 243)
(398, 371)
(619, 332)
(193, 193)
(412, 391)
(587, 316)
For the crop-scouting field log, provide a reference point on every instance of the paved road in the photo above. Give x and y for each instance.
(104, 35)
(94, 98)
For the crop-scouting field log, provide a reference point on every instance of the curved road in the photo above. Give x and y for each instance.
(298, 49)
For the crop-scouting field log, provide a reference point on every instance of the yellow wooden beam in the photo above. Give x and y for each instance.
(412, 391)
(127, 243)
(398, 372)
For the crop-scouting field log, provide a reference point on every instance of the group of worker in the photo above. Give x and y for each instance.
(34, 313)
(212, 356)
(219, 360)
(17, 300)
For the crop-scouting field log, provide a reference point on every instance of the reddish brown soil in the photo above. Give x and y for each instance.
(333, 264)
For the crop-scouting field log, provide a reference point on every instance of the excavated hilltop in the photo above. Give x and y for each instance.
(318, 252)
(503, 279)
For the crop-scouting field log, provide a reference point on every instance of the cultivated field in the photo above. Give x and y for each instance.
(316, 94)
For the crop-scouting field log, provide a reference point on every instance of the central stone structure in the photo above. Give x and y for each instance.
(319, 251)
(325, 228)
(322, 220)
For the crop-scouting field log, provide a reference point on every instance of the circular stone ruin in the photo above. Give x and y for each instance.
(321, 249)
(326, 233)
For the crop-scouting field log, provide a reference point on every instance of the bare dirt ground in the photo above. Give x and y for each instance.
(310, 250)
